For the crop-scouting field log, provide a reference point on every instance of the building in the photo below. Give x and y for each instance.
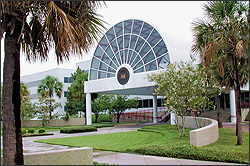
(63, 75)
(125, 55)
(128, 52)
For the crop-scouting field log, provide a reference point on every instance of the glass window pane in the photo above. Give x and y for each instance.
(118, 58)
(66, 80)
(110, 34)
(137, 27)
(115, 61)
(120, 42)
(136, 60)
(154, 38)
(150, 56)
(133, 40)
(95, 63)
(138, 65)
(110, 75)
(104, 43)
(151, 66)
(101, 75)
(126, 41)
(114, 46)
(105, 58)
(160, 48)
(132, 56)
(127, 26)
(70, 80)
(139, 44)
(98, 52)
(146, 30)
(145, 49)
(103, 66)
(118, 29)
(111, 70)
(122, 57)
(109, 52)
(93, 74)
(139, 70)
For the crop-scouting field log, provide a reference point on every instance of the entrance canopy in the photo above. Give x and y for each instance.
(125, 56)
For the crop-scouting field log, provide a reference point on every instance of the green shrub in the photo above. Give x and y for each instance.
(103, 118)
(186, 151)
(23, 132)
(41, 131)
(31, 131)
(247, 118)
(102, 125)
(77, 129)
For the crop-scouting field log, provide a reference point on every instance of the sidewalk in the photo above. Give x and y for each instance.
(136, 159)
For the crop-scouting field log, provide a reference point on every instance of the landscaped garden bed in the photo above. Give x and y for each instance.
(164, 140)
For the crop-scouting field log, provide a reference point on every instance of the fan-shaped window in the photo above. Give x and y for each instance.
(132, 42)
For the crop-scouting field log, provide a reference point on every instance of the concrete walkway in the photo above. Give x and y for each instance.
(29, 146)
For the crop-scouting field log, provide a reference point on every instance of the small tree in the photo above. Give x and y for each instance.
(120, 103)
(27, 108)
(76, 98)
(44, 107)
(47, 88)
(100, 104)
(185, 87)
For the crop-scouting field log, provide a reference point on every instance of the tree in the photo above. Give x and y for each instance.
(100, 104)
(185, 87)
(48, 87)
(76, 98)
(27, 108)
(69, 26)
(120, 103)
(222, 41)
(44, 106)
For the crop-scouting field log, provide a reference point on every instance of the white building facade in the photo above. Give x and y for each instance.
(63, 75)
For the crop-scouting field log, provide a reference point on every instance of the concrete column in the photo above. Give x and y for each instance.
(232, 106)
(173, 118)
(155, 120)
(88, 109)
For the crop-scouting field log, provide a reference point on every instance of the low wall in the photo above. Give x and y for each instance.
(76, 156)
(54, 122)
(202, 136)
(244, 112)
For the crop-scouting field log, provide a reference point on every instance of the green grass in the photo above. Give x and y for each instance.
(163, 140)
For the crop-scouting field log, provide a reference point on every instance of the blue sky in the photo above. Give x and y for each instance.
(175, 15)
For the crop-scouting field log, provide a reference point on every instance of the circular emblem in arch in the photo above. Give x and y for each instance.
(132, 42)
(123, 76)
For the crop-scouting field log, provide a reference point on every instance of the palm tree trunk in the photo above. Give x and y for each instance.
(237, 97)
(219, 118)
(12, 135)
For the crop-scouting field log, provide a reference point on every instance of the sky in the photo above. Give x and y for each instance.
(175, 15)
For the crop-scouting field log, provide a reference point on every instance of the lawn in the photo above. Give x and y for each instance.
(163, 140)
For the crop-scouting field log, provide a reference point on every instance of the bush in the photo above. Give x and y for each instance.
(23, 132)
(102, 125)
(247, 118)
(41, 131)
(103, 118)
(77, 129)
(31, 131)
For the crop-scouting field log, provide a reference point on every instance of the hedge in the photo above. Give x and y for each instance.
(78, 129)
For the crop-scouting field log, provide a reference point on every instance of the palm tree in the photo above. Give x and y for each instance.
(69, 27)
(222, 40)
(48, 87)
